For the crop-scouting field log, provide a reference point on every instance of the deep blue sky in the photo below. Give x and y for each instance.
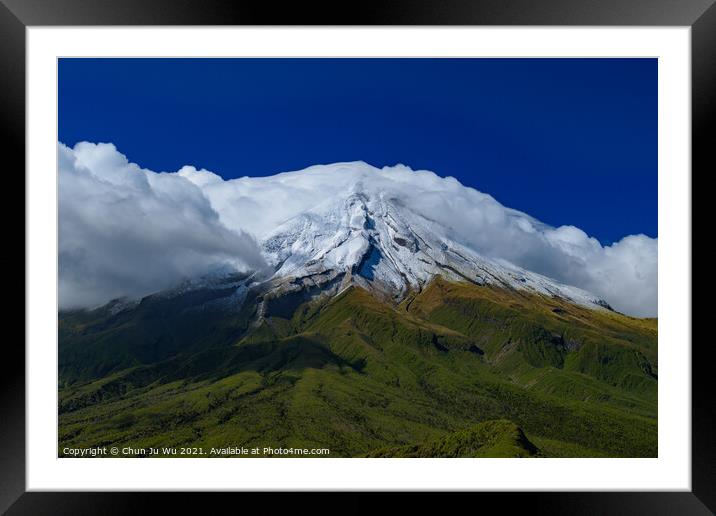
(569, 141)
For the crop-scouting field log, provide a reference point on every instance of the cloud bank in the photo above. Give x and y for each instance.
(120, 224)
(126, 231)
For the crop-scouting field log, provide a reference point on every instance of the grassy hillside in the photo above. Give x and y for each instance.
(488, 439)
(455, 370)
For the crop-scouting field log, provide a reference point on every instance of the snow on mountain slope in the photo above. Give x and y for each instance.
(393, 229)
(372, 239)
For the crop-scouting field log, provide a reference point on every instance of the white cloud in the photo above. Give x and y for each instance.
(125, 231)
(624, 274)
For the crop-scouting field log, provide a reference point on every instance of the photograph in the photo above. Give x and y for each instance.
(384, 257)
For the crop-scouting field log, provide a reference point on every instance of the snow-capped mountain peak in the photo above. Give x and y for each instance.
(372, 239)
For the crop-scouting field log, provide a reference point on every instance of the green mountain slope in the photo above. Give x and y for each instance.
(487, 439)
(363, 377)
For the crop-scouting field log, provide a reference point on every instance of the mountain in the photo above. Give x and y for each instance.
(374, 331)
(378, 243)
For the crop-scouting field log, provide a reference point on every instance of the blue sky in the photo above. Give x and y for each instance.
(569, 141)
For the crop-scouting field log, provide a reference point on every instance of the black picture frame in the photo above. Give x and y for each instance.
(17, 15)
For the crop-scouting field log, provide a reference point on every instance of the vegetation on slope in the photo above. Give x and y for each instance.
(363, 377)
(488, 439)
